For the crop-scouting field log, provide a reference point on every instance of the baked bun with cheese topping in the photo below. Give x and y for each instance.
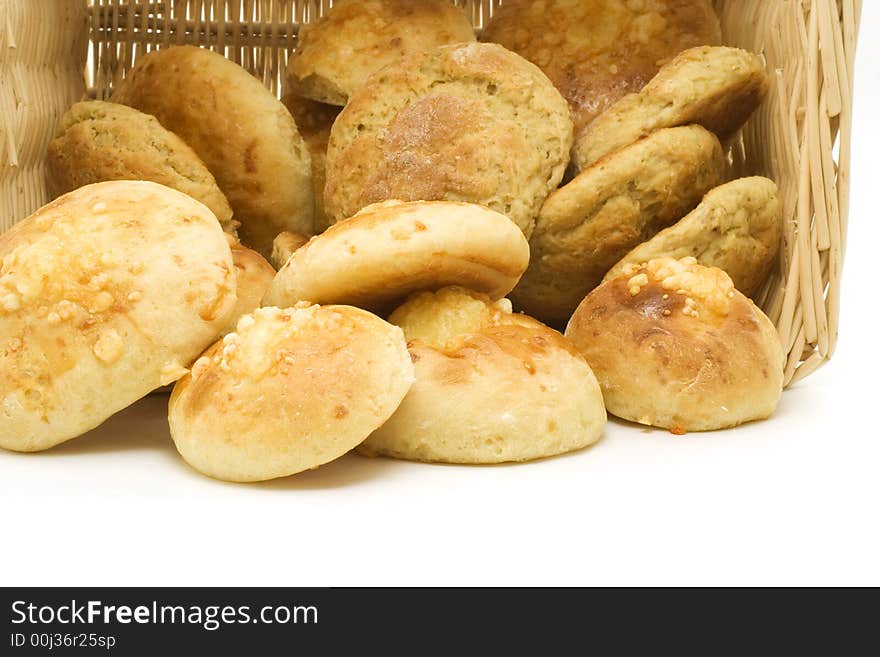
(674, 345)
(106, 294)
(288, 391)
(491, 386)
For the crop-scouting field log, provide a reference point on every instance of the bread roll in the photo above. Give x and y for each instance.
(596, 51)
(99, 141)
(283, 247)
(288, 391)
(737, 227)
(471, 122)
(244, 135)
(674, 345)
(314, 121)
(491, 386)
(336, 53)
(718, 88)
(586, 226)
(105, 294)
(253, 276)
(389, 250)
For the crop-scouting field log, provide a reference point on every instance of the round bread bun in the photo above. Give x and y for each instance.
(244, 135)
(253, 276)
(289, 390)
(99, 141)
(737, 228)
(283, 247)
(106, 293)
(491, 386)
(336, 53)
(596, 51)
(473, 123)
(389, 250)
(718, 88)
(314, 121)
(586, 226)
(674, 345)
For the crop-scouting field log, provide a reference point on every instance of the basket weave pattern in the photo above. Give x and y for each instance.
(55, 52)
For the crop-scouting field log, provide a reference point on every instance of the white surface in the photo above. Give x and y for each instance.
(789, 501)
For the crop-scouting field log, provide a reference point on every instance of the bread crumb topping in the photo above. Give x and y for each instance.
(706, 289)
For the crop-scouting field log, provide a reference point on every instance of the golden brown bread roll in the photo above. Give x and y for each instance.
(336, 53)
(736, 227)
(674, 345)
(106, 293)
(244, 135)
(389, 250)
(596, 51)
(491, 386)
(253, 276)
(718, 88)
(472, 122)
(593, 221)
(289, 390)
(283, 247)
(99, 141)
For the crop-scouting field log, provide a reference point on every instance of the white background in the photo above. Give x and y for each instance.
(790, 501)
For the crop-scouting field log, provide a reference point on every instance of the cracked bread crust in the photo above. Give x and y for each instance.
(106, 294)
(597, 51)
(586, 226)
(674, 345)
(99, 141)
(473, 123)
(357, 37)
(718, 88)
(737, 228)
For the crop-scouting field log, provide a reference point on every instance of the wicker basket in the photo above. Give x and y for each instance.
(54, 52)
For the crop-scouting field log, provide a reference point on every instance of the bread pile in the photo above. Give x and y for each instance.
(349, 268)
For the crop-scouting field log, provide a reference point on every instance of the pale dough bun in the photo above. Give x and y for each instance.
(674, 345)
(596, 51)
(99, 141)
(387, 251)
(244, 135)
(289, 390)
(491, 386)
(314, 120)
(336, 53)
(253, 276)
(737, 227)
(283, 247)
(106, 293)
(718, 88)
(472, 122)
(624, 199)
